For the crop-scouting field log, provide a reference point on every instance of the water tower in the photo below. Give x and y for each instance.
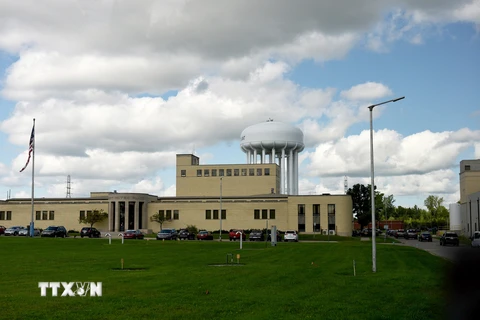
(278, 142)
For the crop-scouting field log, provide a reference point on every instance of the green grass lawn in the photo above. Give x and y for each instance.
(290, 281)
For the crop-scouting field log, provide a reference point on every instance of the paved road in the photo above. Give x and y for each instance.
(451, 253)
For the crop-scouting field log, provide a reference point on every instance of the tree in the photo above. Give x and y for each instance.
(159, 218)
(433, 204)
(93, 217)
(388, 206)
(362, 204)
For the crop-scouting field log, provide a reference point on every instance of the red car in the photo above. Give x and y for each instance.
(204, 235)
(2, 229)
(234, 234)
(133, 234)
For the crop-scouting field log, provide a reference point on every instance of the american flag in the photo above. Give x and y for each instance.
(30, 147)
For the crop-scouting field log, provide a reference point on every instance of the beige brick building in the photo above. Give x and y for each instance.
(237, 196)
(470, 196)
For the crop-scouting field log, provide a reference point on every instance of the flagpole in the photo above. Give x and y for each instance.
(33, 183)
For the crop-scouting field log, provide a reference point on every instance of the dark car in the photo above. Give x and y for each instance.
(89, 232)
(55, 232)
(410, 234)
(133, 234)
(204, 235)
(167, 234)
(269, 236)
(400, 233)
(256, 235)
(184, 234)
(449, 238)
(425, 236)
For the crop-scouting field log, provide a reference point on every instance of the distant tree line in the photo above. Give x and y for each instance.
(436, 215)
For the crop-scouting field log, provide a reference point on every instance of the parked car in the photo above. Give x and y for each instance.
(167, 234)
(256, 235)
(476, 239)
(26, 232)
(184, 234)
(204, 235)
(2, 229)
(410, 234)
(425, 236)
(133, 234)
(400, 233)
(13, 231)
(90, 232)
(55, 232)
(449, 237)
(269, 236)
(290, 235)
(234, 234)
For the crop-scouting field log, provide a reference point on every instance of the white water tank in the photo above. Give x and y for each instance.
(455, 217)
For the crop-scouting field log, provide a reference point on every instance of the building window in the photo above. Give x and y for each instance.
(316, 217)
(259, 171)
(51, 215)
(467, 167)
(256, 214)
(251, 172)
(214, 172)
(215, 214)
(175, 215)
(9, 215)
(89, 213)
(161, 213)
(44, 215)
(229, 172)
(169, 215)
(236, 172)
(224, 214)
(221, 172)
(82, 215)
(301, 209)
(206, 173)
(264, 214)
(267, 171)
(331, 217)
(2, 215)
(199, 172)
(244, 172)
(331, 208)
(301, 218)
(272, 214)
(208, 214)
(183, 173)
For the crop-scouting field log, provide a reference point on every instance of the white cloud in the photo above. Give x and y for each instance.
(366, 91)
(394, 154)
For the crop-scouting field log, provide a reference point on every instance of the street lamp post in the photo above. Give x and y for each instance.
(221, 179)
(372, 185)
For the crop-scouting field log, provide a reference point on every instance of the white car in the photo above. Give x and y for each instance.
(26, 232)
(290, 235)
(13, 231)
(476, 239)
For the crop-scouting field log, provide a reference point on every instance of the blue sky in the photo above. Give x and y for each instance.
(115, 102)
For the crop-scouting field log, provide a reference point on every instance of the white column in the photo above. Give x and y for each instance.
(295, 172)
(110, 216)
(135, 215)
(127, 222)
(272, 156)
(117, 215)
(263, 160)
(282, 172)
(145, 215)
(254, 156)
(248, 156)
(290, 173)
